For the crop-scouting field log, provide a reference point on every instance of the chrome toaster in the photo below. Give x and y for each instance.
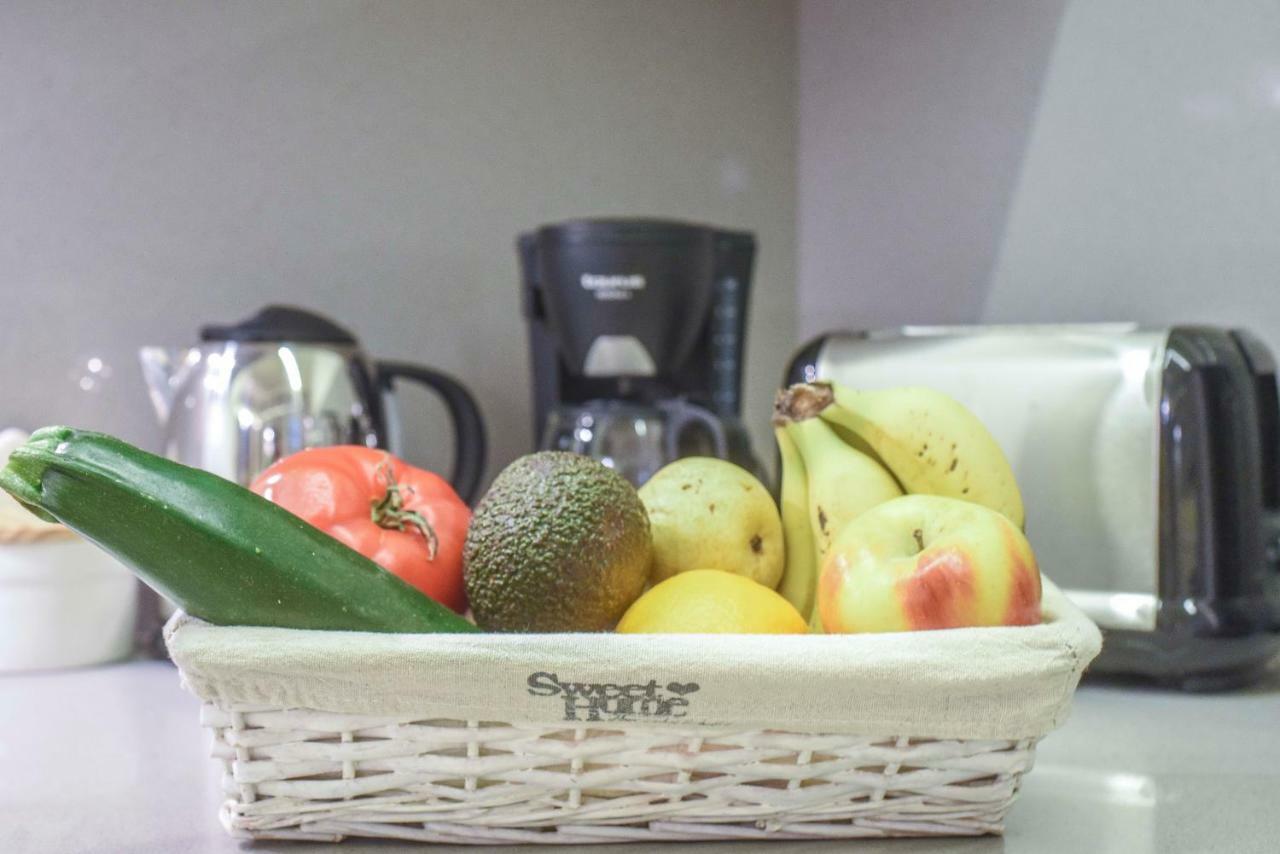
(1148, 461)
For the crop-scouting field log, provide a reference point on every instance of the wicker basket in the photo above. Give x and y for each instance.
(294, 772)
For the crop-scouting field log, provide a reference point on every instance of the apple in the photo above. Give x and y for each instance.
(928, 562)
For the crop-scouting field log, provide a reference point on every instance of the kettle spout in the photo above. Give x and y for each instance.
(160, 369)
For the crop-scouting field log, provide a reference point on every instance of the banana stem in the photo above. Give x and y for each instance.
(801, 401)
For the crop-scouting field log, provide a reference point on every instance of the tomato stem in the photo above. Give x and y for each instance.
(389, 512)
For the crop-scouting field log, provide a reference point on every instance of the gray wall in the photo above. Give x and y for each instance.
(167, 164)
(1151, 185)
(1021, 161)
(913, 118)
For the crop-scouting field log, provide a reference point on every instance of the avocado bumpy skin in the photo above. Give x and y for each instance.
(560, 543)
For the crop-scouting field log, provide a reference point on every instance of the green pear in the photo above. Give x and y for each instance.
(706, 513)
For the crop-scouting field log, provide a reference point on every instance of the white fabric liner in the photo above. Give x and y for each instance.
(978, 683)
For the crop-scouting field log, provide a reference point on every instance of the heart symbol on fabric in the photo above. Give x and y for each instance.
(687, 688)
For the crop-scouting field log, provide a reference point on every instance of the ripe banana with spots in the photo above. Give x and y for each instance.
(800, 577)
(843, 482)
(826, 483)
(929, 441)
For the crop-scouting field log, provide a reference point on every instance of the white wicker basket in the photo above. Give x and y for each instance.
(310, 775)
(372, 766)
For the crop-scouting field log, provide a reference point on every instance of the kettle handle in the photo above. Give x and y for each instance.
(469, 441)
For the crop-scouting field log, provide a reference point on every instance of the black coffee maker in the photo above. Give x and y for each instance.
(637, 331)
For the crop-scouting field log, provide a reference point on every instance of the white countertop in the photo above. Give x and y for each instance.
(113, 759)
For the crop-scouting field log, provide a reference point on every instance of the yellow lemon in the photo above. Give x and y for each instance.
(711, 601)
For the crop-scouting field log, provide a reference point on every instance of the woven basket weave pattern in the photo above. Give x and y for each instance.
(301, 774)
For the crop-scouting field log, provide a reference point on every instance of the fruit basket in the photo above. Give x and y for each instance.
(492, 738)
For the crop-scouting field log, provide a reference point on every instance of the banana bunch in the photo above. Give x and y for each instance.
(845, 451)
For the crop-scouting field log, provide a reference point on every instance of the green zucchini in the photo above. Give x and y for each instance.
(221, 552)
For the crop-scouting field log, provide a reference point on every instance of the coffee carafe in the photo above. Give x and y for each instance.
(640, 325)
(633, 439)
(287, 379)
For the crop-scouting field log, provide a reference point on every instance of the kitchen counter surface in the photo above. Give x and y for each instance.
(113, 759)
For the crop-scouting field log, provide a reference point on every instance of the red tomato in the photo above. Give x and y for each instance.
(407, 520)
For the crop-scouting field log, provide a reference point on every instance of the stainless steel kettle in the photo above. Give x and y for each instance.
(287, 379)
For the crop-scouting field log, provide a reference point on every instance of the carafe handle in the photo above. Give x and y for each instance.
(680, 415)
(469, 440)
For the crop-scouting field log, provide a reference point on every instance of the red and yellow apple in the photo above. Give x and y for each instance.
(928, 562)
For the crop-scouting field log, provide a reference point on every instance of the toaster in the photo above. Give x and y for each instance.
(1148, 462)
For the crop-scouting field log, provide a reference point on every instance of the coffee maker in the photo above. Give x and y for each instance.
(637, 333)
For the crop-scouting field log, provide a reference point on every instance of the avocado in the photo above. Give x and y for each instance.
(559, 543)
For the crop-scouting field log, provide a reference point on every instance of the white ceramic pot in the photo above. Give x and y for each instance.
(63, 603)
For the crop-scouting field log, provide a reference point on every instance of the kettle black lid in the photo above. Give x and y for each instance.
(281, 323)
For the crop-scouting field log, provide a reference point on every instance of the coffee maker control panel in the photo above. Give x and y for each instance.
(725, 335)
